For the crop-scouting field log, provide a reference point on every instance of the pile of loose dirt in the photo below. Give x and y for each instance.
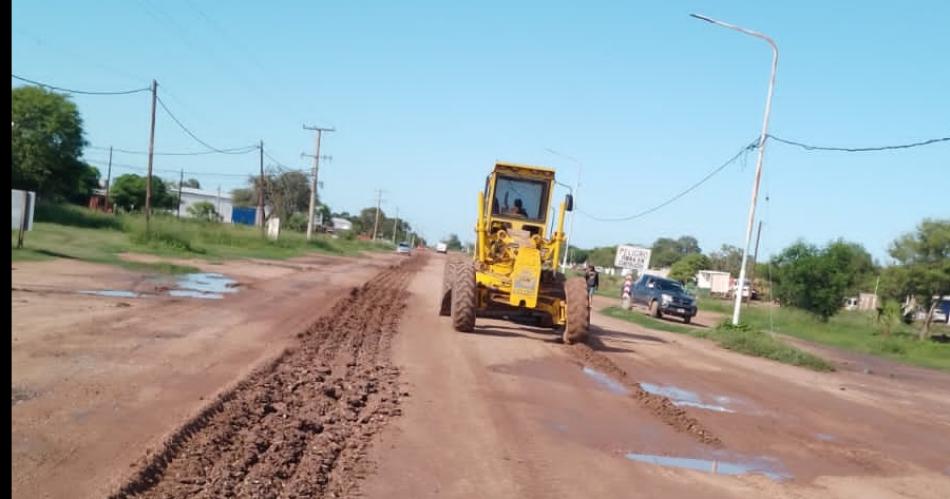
(659, 405)
(301, 425)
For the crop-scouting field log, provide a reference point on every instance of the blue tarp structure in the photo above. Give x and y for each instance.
(244, 216)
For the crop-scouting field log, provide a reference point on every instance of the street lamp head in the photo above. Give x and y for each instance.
(702, 18)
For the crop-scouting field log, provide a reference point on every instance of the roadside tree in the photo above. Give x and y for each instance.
(923, 269)
(46, 142)
(128, 193)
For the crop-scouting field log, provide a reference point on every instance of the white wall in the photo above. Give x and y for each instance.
(16, 208)
(221, 204)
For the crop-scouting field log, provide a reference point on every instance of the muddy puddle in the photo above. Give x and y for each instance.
(111, 293)
(201, 285)
(687, 398)
(728, 465)
(607, 382)
(678, 396)
(205, 285)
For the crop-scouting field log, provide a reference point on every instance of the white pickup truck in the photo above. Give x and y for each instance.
(442, 247)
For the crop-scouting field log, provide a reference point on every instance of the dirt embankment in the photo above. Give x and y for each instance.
(299, 426)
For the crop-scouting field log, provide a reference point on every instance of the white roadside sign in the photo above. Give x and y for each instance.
(633, 258)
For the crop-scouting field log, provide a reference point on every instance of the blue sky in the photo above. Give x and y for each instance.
(427, 95)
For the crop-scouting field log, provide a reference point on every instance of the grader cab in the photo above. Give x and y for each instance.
(513, 273)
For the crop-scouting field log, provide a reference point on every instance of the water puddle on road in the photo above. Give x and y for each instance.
(111, 293)
(204, 285)
(686, 398)
(606, 381)
(768, 467)
(824, 437)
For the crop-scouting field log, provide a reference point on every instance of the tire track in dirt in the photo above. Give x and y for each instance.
(658, 405)
(300, 425)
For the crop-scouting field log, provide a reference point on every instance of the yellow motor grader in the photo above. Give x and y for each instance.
(513, 273)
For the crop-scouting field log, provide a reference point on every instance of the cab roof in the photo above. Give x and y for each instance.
(516, 168)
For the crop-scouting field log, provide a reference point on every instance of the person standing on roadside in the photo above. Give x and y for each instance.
(593, 281)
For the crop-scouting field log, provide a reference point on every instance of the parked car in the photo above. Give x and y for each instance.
(664, 296)
(442, 247)
(403, 249)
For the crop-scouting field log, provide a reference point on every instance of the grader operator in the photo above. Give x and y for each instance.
(513, 273)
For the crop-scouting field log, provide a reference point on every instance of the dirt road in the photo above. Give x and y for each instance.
(378, 397)
(509, 412)
(100, 380)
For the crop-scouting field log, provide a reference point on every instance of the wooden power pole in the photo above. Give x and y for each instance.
(379, 200)
(151, 151)
(316, 169)
(260, 192)
(181, 180)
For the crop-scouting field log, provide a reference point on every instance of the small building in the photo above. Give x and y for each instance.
(221, 202)
(867, 301)
(341, 224)
(99, 202)
(706, 278)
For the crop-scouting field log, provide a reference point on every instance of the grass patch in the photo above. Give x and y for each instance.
(74, 216)
(743, 340)
(65, 231)
(856, 331)
(647, 321)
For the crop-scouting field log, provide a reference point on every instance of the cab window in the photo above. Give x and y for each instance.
(519, 198)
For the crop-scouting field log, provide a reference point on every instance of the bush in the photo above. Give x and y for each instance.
(75, 216)
(297, 222)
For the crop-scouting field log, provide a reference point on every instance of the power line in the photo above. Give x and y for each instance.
(809, 147)
(235, 150)
(83, 92)
(718, 169)
(193, 136)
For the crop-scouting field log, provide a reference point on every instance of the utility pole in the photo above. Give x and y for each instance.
(151, 151)
(181, 180)
(574, 192)
(260, 192)
(316, 169)
(109, 179)
(758, 163)
(379, 200)
(755, 259)
(396, 225)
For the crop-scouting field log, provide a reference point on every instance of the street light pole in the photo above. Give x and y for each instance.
(577, 187)
(740, 286)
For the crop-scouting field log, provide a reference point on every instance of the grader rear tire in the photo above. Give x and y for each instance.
(578, 310)
(448, 279)
(463, 298)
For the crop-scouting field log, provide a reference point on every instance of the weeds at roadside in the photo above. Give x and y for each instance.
(742, 339)
(74, 232)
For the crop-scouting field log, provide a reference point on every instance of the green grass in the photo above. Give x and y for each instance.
(64, 231)
(745, 341)
(849, 330)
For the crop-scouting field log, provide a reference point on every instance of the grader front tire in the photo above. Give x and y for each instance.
(448, 280)
(463, 298)
(578, 310)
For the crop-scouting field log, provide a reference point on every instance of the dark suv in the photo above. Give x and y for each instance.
(664, 296)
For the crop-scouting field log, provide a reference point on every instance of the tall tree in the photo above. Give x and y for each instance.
(685, 269)
(47, 141)
(923, 269)
(453, 243)
(128, 192)
(667, 251)
(286, 193)
(727, 259)
(818, 279)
